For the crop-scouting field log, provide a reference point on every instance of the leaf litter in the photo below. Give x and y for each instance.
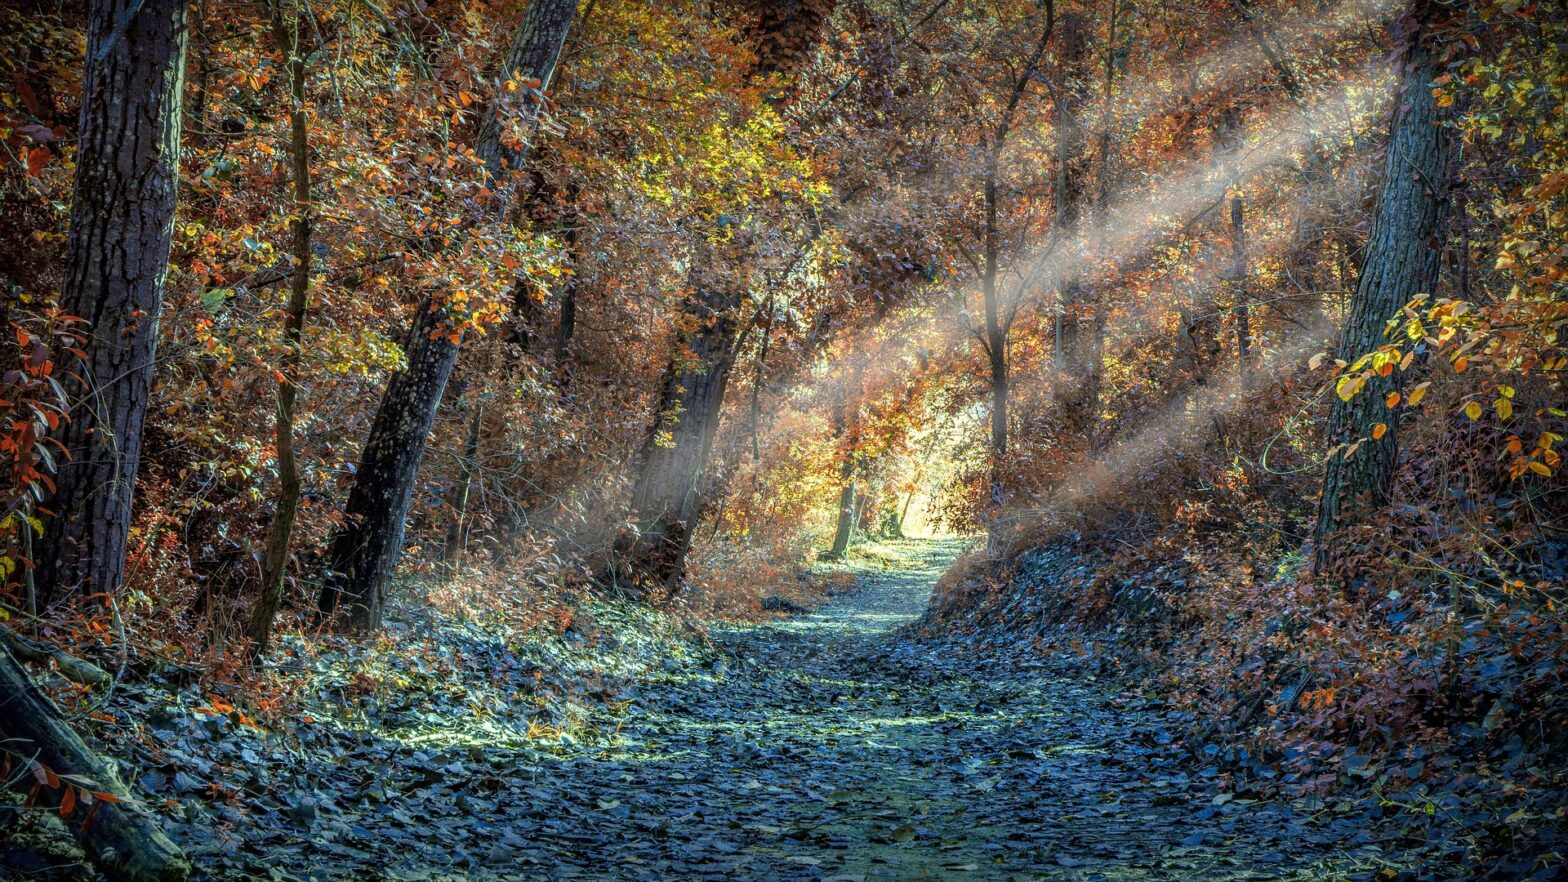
(832, 745)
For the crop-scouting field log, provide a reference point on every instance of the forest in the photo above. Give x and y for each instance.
(783, 440)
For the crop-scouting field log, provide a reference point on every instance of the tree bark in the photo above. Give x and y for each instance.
(996, 326)
(119, 835)
(1404, 257)
(846, 419)
(1238, 289)
(122, 220)
(534, 55)
(1069, 346)
(365, 551)
(274, 571)
(665, 504)
(995, 332)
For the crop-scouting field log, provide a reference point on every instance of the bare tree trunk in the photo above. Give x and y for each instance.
(122, 220)
(119, 835)
(995, 335)
(1404, 257)
(845, 529)
(651, 556)
(274, 569)
(846, 433)
(1068, 355)
(1239, 291)
(366, 550)
(996, 325)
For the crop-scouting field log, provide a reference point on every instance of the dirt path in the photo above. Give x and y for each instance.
(832, 746)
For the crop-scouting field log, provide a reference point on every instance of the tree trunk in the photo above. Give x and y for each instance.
(37, 749)
(666, 498)
(365, 551)
(274, 569)
(1069, 347)
(535, 52)
(122, 220)
(996, 327)
(845, 529)
(845, 421)
(995, 336)
(1238, 288)
(1403, 259)
(651, 557)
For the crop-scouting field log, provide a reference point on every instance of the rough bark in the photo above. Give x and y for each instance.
(122, 220)
(121, 837)
(666, 499)
(1404, 256)
(365, 551)
(534, 55)
(274, 570)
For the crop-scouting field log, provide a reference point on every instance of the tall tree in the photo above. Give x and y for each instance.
(673, 460)
(1069, 344)
(1404, 255)
(275, 563)
(365, 551)
(997, 324)
(846, 433)
(122, 220)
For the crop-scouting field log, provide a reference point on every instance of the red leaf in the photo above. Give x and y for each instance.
(37, 158)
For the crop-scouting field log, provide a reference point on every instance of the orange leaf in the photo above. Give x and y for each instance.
(1379, 430)
(67, 802)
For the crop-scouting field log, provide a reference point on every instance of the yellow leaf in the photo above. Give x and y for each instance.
(1379, 430)
(1473, 410)
(1540, 468)
(1347, 387)
(1417, 394)
(1505, 408)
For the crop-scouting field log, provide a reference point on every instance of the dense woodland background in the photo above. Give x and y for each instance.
(1231, 328)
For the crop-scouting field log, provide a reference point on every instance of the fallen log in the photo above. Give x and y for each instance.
(61, 774)
(70, 667)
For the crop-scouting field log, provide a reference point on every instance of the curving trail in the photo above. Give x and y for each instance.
(834, 747)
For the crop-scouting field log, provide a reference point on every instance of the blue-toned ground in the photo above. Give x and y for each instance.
(834, 745)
